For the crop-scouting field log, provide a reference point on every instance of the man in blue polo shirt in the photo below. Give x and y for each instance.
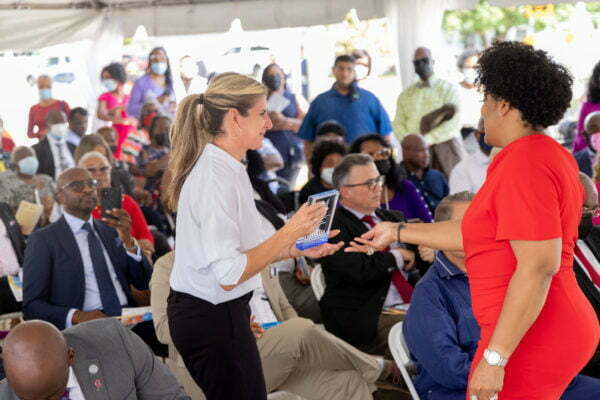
(441, 331)
(358, 110)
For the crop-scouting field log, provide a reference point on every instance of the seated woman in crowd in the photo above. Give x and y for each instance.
(119, 177)
(99, 167)
(152, 163)
(24, 183)
(138, 138)
(325, 157)
(112, 104)
(399, 194)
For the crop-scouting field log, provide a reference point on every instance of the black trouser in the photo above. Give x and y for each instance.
(217, 346)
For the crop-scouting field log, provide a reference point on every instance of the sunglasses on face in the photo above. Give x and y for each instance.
(79, 186)
(371, 183)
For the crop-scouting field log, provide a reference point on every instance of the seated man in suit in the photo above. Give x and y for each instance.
(12, 248)
(54, 153)
(96, 360)
(440, 329)
(586, 157)
(586, 263)
(359, 285)
(297, 356)
(78, 269)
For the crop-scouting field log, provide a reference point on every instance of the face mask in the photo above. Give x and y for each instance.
(45, 94)
(423, 70)
(159, 68)
(585, 225)
(273, 82)
(327, 175)
(28, 165)
(161, 139)
(59, 131)
(485, 148)
(362, 71)
(147, 120)
(189, 70)
(109, 84)
(383, 166)
(595, 141)
(469, 75)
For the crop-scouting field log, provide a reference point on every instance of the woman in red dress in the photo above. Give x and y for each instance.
(537, 328)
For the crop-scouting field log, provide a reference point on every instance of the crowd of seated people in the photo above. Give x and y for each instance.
(81, 264)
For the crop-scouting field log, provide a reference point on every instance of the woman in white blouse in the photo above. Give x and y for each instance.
(220, 244)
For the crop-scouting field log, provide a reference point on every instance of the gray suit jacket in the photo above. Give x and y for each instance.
(124, 366)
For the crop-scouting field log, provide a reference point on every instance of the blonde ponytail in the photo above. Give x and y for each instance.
(199, 119)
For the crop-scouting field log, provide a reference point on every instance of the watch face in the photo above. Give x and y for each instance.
(493, 358)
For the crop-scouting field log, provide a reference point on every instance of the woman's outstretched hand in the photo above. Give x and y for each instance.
(376, 239)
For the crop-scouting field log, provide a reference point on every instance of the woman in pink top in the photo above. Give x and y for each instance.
(36, 127)
(592, 104)
(112, 105)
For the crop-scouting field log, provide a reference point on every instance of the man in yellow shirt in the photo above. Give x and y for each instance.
(430, 107)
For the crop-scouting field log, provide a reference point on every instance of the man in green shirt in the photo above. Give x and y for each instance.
(430, 107)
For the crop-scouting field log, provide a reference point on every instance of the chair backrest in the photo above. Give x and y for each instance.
(317, 281)
(402, 356)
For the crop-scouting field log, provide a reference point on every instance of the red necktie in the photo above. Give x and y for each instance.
(401, 284)
(588, 266)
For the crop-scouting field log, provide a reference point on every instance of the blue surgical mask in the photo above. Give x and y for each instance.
(45, 94)
(109, 84)
(159, 68)
(59, 131)
(28, 165)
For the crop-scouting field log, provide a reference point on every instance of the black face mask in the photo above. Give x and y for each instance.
(273, 82)
(161, 139)
(485, 148)
(383, 166)
(423, 69)
(585, 225)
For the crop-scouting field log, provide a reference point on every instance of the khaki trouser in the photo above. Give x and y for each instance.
(444, 156)
(379, 346)
(302, 358)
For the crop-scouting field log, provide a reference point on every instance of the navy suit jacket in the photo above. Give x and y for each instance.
(53, 273)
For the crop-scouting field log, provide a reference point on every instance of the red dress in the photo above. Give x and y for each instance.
(532, 192)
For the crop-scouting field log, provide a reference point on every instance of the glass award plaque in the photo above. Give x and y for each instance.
(321, 234)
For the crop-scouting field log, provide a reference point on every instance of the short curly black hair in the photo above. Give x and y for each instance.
(530, 80)
(321, 151)
(116, 71)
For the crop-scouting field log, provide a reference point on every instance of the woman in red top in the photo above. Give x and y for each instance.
(36, 127)
(537, 328)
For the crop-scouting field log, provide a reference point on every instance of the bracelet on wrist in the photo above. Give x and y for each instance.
(401, 225)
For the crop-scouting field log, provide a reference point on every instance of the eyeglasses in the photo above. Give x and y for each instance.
(595, 211)
(79, 186)
(371, 183)
(383, 153)
(103, 170)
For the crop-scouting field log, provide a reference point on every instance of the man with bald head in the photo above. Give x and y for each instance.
(415, 163)
(36, 127)
(78, 269)
(586, 157)
(96, 360)
(429, 108)
(54, 153)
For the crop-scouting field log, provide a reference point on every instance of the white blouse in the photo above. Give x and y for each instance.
(217, 221)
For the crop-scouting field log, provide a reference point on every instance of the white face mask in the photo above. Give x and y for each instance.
(469, 75)
(327, 175)
(59, 131)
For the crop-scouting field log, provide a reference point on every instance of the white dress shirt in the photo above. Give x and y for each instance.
(469, 174)
(9, 264)
(75, 392)
(217, 222)
(73, 138)
(69, 161)
(393, 297)
(92, 300)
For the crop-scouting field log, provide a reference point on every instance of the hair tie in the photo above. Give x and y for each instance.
(200, 99)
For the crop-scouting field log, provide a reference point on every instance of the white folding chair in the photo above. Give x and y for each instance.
(402, 356)
(317, 281)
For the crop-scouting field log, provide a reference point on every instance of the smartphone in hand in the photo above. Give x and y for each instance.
(110, 198)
